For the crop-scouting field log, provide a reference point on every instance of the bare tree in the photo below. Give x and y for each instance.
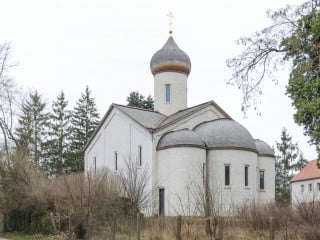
(8, 97)
(134, 181)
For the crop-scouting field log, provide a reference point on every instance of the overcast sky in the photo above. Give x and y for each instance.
(107, 45)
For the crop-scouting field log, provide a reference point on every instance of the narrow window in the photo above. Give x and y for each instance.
(227, 175)
(261, 178)
(318, 186)
(310, 187)
(116, 160)
(161, 202)
(168, 93)
(95, 164)
(302, 188)
(140, 155)
(246, 180)
(204, 174)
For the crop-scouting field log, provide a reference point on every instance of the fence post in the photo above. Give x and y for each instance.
(138, 226)
(113, 226)
(271, 226)
(221, 228)
(179, 221)
(1, 222)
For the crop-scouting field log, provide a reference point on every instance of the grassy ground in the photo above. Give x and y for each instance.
(19, 236)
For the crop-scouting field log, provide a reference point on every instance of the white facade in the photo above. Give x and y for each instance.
(305, 191)
(170, 92)
(184, 148)
(305, 186)
(118, 135)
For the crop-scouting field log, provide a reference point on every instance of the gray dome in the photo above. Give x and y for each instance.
(225, 133)
(264, 149)
(170, 58)
(180, 138)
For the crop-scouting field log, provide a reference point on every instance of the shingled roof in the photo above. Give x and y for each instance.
(153, 120)
(310, 171)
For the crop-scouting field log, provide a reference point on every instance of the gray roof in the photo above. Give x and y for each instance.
(180, 138)
(170, 58)
(225, 133)
(152, 120)
(263, 148)
(189, 111)
(147, 118)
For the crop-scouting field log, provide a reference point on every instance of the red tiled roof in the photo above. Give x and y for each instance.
(310, 171)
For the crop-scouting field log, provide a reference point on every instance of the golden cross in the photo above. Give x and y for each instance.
(171, 16)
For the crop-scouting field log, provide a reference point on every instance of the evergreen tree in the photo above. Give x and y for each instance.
(135, 99)
(84, 121)
(32, 123)
(288, 161)
(57, 146)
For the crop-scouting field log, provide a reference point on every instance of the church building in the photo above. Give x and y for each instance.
(185, 148)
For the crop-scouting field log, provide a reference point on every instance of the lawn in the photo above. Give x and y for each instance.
(19, 236)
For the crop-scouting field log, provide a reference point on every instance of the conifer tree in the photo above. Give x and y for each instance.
(57, 145)
(135, 99)
(84, 121)
(32, 123)
(288, 161)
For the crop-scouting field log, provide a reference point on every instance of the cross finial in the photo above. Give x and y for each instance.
(171, 16)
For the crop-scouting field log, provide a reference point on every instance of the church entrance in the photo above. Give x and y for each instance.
(161, 202)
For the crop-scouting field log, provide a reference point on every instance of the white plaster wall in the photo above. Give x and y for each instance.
(179, 173)
(228, 197)
(178, 99)
(122, 134)
(206, 114)
(96, 147)
(297, 196)
(268, 165)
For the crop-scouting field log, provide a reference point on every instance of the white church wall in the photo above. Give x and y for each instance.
(94, 154)
(266, 164)
(236, 193)
(121, 136)
(207, 114)
(179, 174)
(178, 92)
(305, 191)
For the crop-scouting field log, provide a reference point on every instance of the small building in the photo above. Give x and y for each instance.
(184, 147)
(305, 186)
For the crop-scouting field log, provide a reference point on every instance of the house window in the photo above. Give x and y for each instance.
(302, 188)
(116, 160)
(168, 90)
(140, 155)
(246, 172)
(227, 175)
(261, 179)
(318, 184)
(310, 187)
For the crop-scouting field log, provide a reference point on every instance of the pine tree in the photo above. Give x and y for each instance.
(135, 99)
(288, 161)
(57, 146)
(84, 121)
(32, 123)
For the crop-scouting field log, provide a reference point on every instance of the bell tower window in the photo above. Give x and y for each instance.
(168, 93)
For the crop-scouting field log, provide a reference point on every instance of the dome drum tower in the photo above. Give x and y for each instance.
(170, 67)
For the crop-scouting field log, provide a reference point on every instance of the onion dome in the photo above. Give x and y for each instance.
(170, 58)
(180, 138)
(225, 133)
(264, 149)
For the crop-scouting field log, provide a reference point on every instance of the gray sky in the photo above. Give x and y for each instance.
(66, 45)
